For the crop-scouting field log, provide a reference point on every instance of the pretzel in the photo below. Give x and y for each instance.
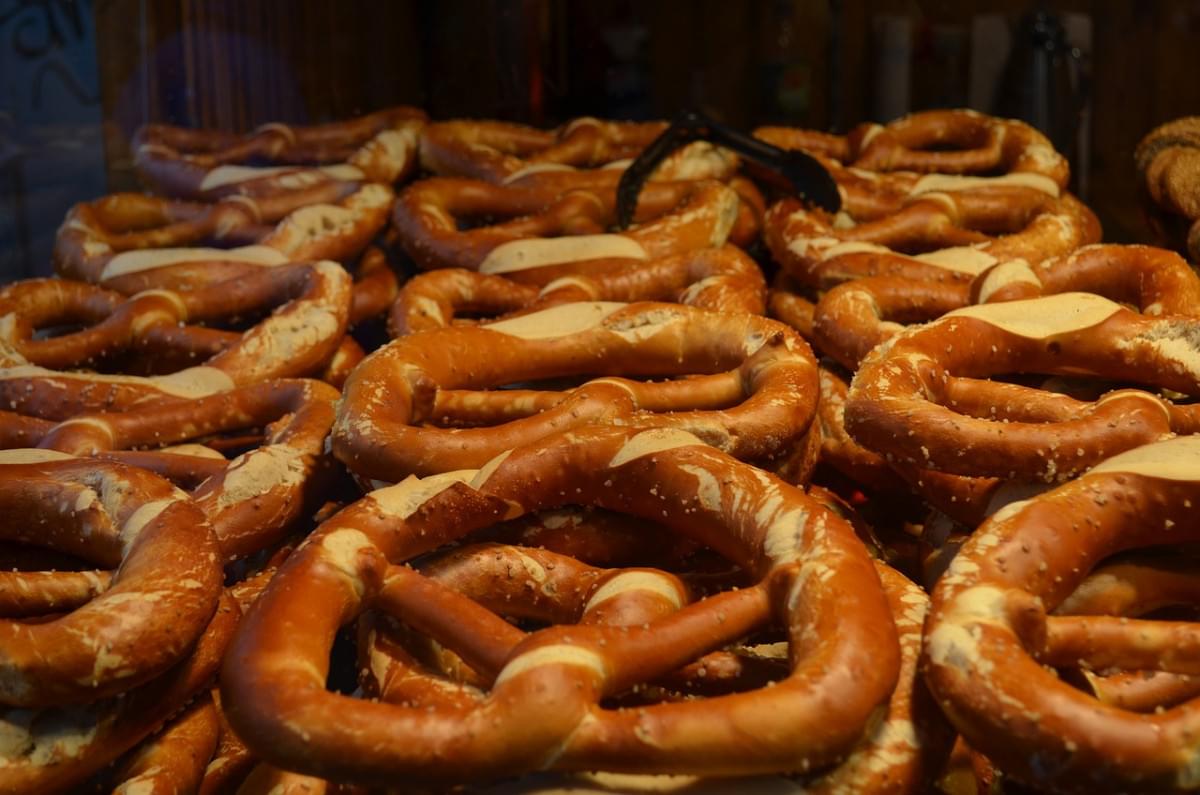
(720, 279)
(299, 338)
(941, 141)
(962, 224)
(542, 710)
(916, 400)
(252, 500)
(115, 516)
(1169, 161)
(991, 630)
(672, 217)
(500, 152)
(116, 240)
(206, 164)
(1157, 281)
(174, 760)
(757, 405)
(58, 749)
(312, 304)
(854, 317)
(903, 752)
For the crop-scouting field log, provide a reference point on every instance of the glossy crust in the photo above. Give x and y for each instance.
(542, 709)
(990, 631)
(182, 163)
(754, 395)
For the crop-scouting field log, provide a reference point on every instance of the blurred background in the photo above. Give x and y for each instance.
(77, 77)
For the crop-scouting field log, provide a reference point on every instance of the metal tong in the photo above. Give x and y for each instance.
(799, 172)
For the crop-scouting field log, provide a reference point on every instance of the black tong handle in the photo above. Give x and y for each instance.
(803, 173)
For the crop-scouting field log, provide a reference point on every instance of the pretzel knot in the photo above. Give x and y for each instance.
(753, 393)
(208, 164)
(117, 240)
(163, 594)
(547, 223)
(501, 152)
(251, 500)
(543, 707)
(991, 637)
(941, 228)
(720, 279)
(918, 400)
(939, 141)
(312, 303)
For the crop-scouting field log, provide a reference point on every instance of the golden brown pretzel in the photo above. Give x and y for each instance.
(57, 749)
(541, 710)
(546, 223)
(153, 610)
(114, 239)
(991, 630)
(1157, 281)
(173, 760)
(854, 317)
(206, 164)
(306, 328)
(721, 279)
(756, 401)
(901, 755)
(961, 224)
(941, 141)
(252, 500)
(501, 152)
(918, 401)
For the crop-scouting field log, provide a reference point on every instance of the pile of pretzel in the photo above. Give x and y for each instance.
(374, 457)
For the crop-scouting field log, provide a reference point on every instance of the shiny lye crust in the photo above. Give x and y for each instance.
(209, 164)
(542, 709)
(954, 227)
(505, 153)
(920, 399)
(722, 279)
(112, 240)
(544, 222)
(754, 395)
(991, 632)
(940, 141)
(251, 500)
(300, 337)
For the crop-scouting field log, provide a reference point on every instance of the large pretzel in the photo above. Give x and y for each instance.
(549, 224)
(941, 141)
(542, 709)
(300, 337)
(720, 279)
(918, 399)
(962, 225)
(1157, 281)
(59, 748)
(901, 754)
(757, 401)
(504, 153)
(150, 614)
(113, 239)
(206, 164)
(854, 317)
(990, 630)
(251, 500)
